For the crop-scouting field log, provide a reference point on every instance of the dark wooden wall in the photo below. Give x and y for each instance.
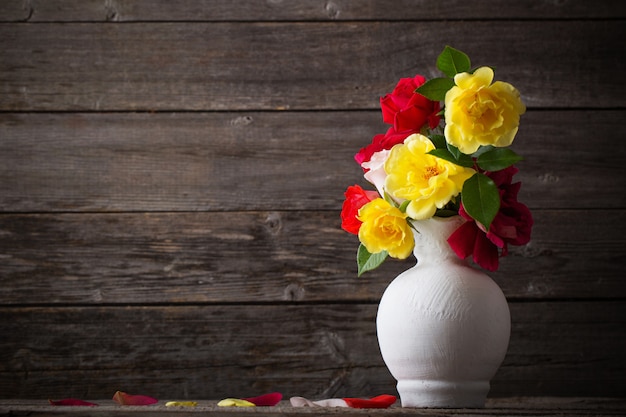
(172, 172)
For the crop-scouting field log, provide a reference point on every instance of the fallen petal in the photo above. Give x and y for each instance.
(235, 402)
(331, 402)
(381, 401)
(127, 399)
(301, 402)
(72, 402)
(181, 404)
(267, 400)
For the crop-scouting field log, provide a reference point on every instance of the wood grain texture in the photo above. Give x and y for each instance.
(264, 161)
(316, 10)
(273, 66)
(319, 351)
(271, 257)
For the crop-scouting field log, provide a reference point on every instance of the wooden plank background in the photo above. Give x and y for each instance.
(171, 177)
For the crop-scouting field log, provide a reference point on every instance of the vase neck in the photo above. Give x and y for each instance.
(431, 239)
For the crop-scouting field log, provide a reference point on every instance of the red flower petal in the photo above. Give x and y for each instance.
(512, 225)
(485, 253)
(267, 400)
(356, 197)
(126, 399)
(381, 401)
(463, 239)
(382, 142)
(406, 110)
(468, 239)
(72, 402)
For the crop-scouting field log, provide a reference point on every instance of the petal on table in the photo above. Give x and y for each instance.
(123, 398)
(181, 404)
(267, 400)
(381, 401)
(235, 402)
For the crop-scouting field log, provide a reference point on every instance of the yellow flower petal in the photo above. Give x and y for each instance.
(181, 404)
(385, 228)
(235, 402)
(480, 113)
(426, 181)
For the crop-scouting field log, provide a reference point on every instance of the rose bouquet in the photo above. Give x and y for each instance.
(442, 161)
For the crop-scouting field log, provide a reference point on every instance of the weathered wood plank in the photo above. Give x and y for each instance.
(271, 257)
(568, 154)
(211, 161)
(268, 160)
(213, 352)
(578, 334)
(249, 66)
(255, 10)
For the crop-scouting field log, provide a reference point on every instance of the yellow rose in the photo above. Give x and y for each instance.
(427, 181)
(480, 113)
(385, 228)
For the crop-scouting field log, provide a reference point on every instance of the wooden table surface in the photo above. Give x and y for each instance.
(520, 406)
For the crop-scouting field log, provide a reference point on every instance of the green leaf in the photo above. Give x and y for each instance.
(497, 159)
(443, 154)
(435, 89)
(439, 141)
(454, 151)
(482, 149)
(404, 205)
(452, 61)
(481, 199)
(367, 261)
(445, 213)
(389, 199)
(463, 160)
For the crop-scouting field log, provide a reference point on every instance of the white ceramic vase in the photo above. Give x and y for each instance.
(443, 326)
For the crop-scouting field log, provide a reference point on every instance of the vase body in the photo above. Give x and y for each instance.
(443, 326)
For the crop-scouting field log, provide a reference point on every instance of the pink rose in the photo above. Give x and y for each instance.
(375, 170)
(406, 110)
(356, 197)
(512, 225)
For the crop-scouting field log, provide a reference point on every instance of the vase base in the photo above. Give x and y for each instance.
(443, 394)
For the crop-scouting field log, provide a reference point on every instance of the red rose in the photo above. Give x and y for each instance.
(379, 143)
(406, 110)
(468, 240)
(512, 225)
(356, 197)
